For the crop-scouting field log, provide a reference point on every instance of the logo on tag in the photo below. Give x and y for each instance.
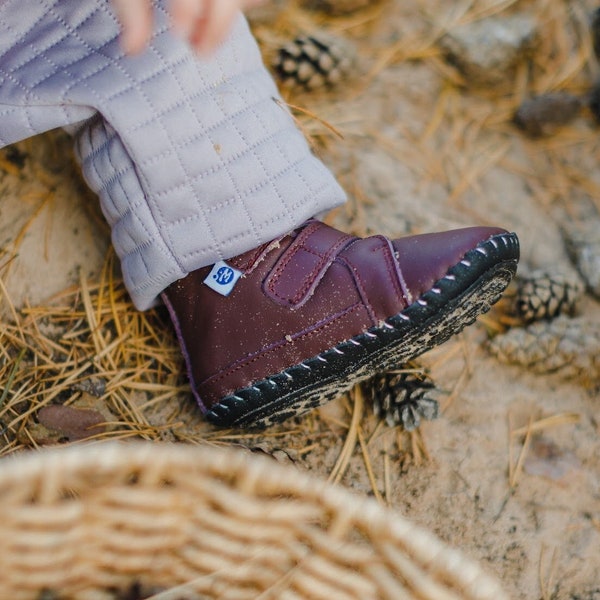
(222, 278)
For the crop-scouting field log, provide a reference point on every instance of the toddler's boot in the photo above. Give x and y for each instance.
(286, 327)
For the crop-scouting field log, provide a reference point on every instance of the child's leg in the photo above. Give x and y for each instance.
(195, 161)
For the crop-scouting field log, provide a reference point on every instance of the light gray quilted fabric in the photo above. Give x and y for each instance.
(193, 160)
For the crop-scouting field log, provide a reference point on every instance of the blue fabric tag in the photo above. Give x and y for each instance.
(222, 278)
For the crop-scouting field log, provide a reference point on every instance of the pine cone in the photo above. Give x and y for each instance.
(544, 114)
(315, 61)
(401, 398)
(570, 347)
(544, 296)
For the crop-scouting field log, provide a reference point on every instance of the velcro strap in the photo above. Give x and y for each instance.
(300, 268)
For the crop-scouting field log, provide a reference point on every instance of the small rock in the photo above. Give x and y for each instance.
(85, 417)
(72, 423)
(544, 114)
(487, 51)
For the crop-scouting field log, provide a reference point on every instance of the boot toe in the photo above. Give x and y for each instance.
(426, 258)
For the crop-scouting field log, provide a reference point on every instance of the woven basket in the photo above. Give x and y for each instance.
(200, 522)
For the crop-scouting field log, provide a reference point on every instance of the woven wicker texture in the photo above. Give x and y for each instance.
(203, 522)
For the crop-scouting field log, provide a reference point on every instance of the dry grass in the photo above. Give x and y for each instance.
(90, 332)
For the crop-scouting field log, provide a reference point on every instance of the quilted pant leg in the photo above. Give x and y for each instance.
(194, 160)
(146, 261)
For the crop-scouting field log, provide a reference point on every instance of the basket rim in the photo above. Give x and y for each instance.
(50, 473)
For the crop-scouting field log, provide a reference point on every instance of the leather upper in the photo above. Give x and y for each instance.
(301, 295)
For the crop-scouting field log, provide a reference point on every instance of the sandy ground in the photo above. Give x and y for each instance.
(418, 153)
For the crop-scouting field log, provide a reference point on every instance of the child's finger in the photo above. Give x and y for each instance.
(213, 26)
(185, 14)
(136, 22)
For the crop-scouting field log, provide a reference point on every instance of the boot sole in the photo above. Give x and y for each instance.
(469, 289)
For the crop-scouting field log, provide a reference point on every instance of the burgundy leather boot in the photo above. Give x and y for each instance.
(295, 323)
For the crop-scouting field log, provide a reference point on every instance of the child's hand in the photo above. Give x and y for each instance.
(204, 23)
